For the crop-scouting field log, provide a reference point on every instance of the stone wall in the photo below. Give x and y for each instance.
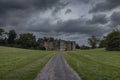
(62, 45)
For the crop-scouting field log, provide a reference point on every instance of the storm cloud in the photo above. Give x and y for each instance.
(68, 11)
(106, 5)
(98, 19)
(11, 5)
(115, 18)
(66, 19)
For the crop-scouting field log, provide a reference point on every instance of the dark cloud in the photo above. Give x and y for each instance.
(28, 6)
(106, 6)
(72, 26)
(80, 26)
(10, 5)
(115, 18)
(59, 6)
(48, 17)
(81, 1)
(15, 12)
(98, 19)
(44, 27)
(68, 11)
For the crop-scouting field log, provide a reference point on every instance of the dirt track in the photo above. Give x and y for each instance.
(57, 69)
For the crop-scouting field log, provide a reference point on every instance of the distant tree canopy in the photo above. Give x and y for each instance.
(12, 36)
(93, 41)
(27, 40)
(102, 43)
(113, 41)
(48, 39)
(1, 32)
(24, 40)
(84, 47)
(77, 46)
(2, 40)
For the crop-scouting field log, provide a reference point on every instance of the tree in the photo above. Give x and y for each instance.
(12, 36)
(27, 40)
(1, 31)
(102, 43)
(2, 39)
(45, 39)
(84, 47)
(48, 39)
(113, 41)
(51, 39)
(93, 41)
(40, 44)
(77, 46)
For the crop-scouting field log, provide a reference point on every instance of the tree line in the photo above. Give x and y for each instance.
(28, 40)
(111, 42)
(24, 40)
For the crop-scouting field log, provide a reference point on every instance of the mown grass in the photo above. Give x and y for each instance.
(96, 64)
(22, 64)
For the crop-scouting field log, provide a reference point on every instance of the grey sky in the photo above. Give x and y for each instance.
(66, 19)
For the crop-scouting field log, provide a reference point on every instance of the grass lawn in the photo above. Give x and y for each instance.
(22, 64)
(96, 64)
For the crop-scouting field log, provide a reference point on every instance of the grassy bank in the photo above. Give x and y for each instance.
(96, 64)
(22, 64)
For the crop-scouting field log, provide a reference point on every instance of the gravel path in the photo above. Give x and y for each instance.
(57, 69)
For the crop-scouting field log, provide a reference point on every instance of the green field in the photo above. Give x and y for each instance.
(22, 64)
(96, 64)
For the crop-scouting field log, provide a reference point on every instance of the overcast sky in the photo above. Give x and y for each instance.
(66, 19)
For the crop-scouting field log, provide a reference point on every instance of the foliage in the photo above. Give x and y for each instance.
(40, 44)
(3, 40)
(84, 47)
(113, 41)
(93, 41)
(24, 40)
(12, 36)
(48, 39)
(77, 46)
(27, 40)
(102, 43)
(1, 31)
